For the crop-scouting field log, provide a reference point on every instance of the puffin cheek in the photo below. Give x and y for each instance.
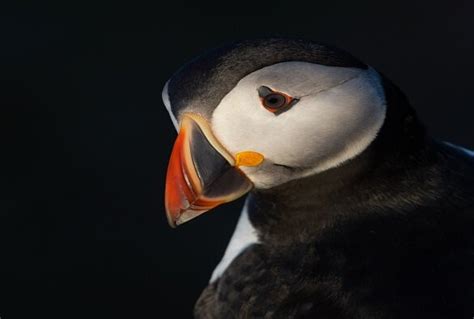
(265, 175)
(237, 128)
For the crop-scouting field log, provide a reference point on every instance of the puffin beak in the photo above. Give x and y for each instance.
(201, 174)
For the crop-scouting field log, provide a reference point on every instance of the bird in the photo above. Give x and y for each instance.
(352, 208)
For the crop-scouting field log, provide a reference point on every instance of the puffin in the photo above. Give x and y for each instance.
(352, 209)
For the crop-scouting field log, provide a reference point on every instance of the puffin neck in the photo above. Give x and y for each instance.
(305, 207)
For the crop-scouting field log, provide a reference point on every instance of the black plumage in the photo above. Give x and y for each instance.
(388, 234)
(204, 81)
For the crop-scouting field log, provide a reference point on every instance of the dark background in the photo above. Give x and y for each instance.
(85, 136)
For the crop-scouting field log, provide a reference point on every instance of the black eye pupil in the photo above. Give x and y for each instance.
(274, 100)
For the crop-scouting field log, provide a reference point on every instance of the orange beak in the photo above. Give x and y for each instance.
(201, 173)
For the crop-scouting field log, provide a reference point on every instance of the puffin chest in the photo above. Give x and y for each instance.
(258, 286)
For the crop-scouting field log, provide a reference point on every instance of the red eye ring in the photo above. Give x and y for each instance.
(276, 101)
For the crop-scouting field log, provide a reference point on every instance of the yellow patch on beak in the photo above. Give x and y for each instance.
(248, 158)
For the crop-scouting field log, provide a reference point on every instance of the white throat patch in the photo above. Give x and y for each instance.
(339, 113)
(244, 236)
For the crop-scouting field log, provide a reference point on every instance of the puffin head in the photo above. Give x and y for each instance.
(261, 113)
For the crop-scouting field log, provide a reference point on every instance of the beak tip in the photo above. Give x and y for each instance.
(172, 220)
(172, 223)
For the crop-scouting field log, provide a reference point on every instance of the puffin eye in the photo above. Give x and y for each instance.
(275, 102)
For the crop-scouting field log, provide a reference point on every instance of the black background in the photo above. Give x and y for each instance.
(86, 139)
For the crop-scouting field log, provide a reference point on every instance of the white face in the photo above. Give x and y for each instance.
(339, 112)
